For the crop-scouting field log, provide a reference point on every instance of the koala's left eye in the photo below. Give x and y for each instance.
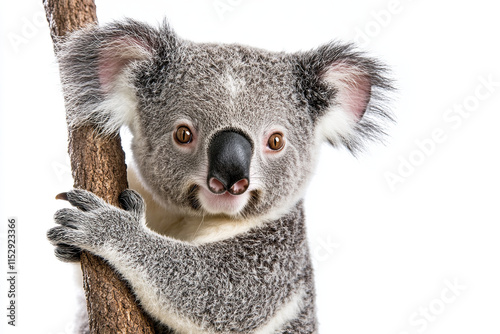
(183, 135)
(276, 141)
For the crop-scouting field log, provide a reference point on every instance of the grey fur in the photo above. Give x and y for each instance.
(240, 283)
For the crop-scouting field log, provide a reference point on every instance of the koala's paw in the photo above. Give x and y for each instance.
(94, 224)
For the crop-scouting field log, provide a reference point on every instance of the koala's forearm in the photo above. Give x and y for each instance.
(224, 286)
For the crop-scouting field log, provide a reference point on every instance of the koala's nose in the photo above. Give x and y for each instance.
(229, 156)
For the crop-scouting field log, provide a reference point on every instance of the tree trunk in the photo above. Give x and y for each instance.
(98, 165)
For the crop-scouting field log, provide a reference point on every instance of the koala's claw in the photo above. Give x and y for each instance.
(83, 199)
(63, 196)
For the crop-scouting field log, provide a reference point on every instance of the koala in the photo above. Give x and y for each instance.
(211, 237)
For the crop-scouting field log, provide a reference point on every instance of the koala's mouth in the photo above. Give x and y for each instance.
(203, 199)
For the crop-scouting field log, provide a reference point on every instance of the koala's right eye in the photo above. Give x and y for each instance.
(183, 135)
(276, 142)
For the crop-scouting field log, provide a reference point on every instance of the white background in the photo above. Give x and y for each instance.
(383, 254)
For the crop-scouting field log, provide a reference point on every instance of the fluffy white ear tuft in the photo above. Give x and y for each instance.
(336, 126)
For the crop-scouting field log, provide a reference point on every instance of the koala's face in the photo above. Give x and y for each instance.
(225, 131)
(219, 129)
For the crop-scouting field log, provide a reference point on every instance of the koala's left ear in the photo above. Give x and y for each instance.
(99, 64)
(344, 91)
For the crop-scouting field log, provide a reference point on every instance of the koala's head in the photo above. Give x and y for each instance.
(220, 129)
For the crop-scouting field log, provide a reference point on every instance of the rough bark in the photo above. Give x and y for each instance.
(98, 165)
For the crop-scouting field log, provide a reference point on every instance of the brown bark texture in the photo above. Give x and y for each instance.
(98, 165)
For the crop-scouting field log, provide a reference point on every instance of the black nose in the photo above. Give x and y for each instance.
(229, 156)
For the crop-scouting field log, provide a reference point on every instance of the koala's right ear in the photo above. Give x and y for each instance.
(346, 94)
(96, 66)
